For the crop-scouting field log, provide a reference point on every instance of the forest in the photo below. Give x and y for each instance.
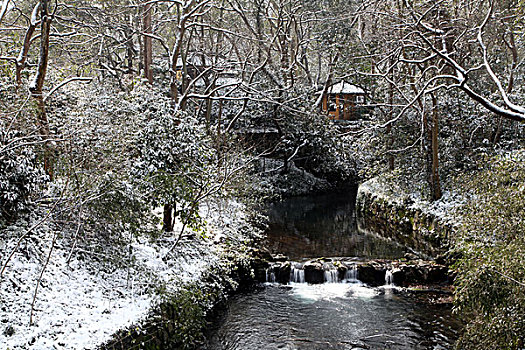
(142, 141)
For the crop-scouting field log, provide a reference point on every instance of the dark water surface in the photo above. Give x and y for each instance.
(332, 316)
(346, 315)
(324, 226)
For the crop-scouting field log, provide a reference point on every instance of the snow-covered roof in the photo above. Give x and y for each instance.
(345, 88)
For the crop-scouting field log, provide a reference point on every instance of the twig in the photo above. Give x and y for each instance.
(40, 277)
(509, 278)
(24, 236)
(75, 239)
(83, 79)
(4, 9)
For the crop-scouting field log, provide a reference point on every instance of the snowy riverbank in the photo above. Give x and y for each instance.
(392, 211)
(85, 297)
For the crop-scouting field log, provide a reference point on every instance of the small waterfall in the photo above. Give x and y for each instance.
(331, 276)
(270, 275)
(297, 274)
(351, 274)
(313, 273)
(389, 278)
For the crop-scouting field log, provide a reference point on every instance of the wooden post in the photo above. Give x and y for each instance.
(337, 107)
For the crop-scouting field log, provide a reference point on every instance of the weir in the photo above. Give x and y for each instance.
(331, 274)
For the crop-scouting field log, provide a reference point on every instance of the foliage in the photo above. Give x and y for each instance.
(174, 162)
(20, 174)
(185, 312)
(312, 141)
(491, 272)
(94, 165)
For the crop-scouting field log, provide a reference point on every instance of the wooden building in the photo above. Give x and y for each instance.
(344, 101)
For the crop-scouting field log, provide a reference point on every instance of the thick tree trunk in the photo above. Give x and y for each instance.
(167, 221)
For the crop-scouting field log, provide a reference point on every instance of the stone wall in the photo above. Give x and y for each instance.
(404, 222)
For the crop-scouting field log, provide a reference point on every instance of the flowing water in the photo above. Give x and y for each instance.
(341, 313)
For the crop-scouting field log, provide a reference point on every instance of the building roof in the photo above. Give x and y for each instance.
(345, 88)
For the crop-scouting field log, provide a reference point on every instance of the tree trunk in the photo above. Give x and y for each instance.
(22, 56)
(167, 221)
(38, 84)
(148, 48)
(389, 127)
(130, 50)
(436, 185)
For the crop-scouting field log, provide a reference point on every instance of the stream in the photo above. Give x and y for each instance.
(340, 313)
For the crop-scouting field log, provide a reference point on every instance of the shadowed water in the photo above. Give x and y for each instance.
(324, 226)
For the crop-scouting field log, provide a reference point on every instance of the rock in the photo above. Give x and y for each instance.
(437, 274)
(411, 256)
(259, 267)
(422, 273)
(263, 254)
(413, 274)
(278, 258)
(341, 272)
(371, 274)
(313, 272)
(398, 277)
(282, 274)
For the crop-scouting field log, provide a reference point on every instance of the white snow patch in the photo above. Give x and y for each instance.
(80, 305)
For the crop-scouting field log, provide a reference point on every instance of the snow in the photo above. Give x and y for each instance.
(74, 308)
(345, 88)
(80, 305)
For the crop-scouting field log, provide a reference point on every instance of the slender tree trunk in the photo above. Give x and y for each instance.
(130, 50)
(38, 84)
(176, 52)
(389, 127)
(22, 56)
(148, 45)
(436, 185)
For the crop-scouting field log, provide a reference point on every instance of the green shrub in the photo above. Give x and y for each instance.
(491, 273)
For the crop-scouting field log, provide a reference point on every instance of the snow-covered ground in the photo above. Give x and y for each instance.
(81, 304)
